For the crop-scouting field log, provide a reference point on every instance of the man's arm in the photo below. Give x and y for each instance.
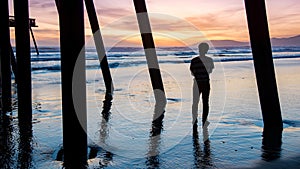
(191, 68)
(211, 66)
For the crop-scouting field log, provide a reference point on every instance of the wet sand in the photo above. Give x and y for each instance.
(124, 139)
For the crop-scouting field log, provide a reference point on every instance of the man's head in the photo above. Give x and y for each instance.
(203, 48)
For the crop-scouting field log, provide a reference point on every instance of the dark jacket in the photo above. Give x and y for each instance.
(201, 68)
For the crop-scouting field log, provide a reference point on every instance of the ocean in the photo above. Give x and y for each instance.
(49, 58)
(124, 140)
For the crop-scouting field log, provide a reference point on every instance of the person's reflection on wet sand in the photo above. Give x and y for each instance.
(202, 158)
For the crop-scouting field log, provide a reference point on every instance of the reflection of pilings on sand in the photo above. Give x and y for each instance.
(270, 155)
(106, 156)
(25, 145)
(152, 160)
(96, 150)
(6, 142)
(15, 147)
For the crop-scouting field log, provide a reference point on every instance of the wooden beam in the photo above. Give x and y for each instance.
(23, 61)
(265, 74)
(13, 64)
(5, 57)
(99, 46)
(34, 42)
(151, 57)
(73, 80)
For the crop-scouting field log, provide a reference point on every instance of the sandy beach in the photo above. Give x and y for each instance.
(109, 84)
(124, 141)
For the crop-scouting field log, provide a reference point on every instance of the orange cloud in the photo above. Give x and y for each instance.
(185, 21)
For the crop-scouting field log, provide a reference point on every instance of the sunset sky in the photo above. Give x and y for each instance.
(174, 22)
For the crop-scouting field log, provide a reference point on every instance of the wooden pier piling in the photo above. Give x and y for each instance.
(5, 56)
(13, 63)
(23, 61)
(90, 7)
(151, 57)
(265, 74)
(73, 78)
(34, 41)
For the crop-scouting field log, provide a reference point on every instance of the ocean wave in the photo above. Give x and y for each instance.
(49, 59)
(113, 65)
(185, 53)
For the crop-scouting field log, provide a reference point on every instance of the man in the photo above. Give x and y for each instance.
(200, 67)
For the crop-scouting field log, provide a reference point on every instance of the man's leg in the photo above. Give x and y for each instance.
(196, 96)
(205, 101)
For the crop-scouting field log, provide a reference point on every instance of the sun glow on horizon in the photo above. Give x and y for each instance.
(182, 21)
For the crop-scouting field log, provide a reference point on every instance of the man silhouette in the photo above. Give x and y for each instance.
(200, 67)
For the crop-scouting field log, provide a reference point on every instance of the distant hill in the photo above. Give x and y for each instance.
(228, 43)
(291, 41)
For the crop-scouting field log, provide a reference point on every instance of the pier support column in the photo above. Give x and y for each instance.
(265, 74)
(23, 61)
(151, 57)
(90, 7)
(73, 79)
(13, 63)
(34, 42)
(5, 56)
